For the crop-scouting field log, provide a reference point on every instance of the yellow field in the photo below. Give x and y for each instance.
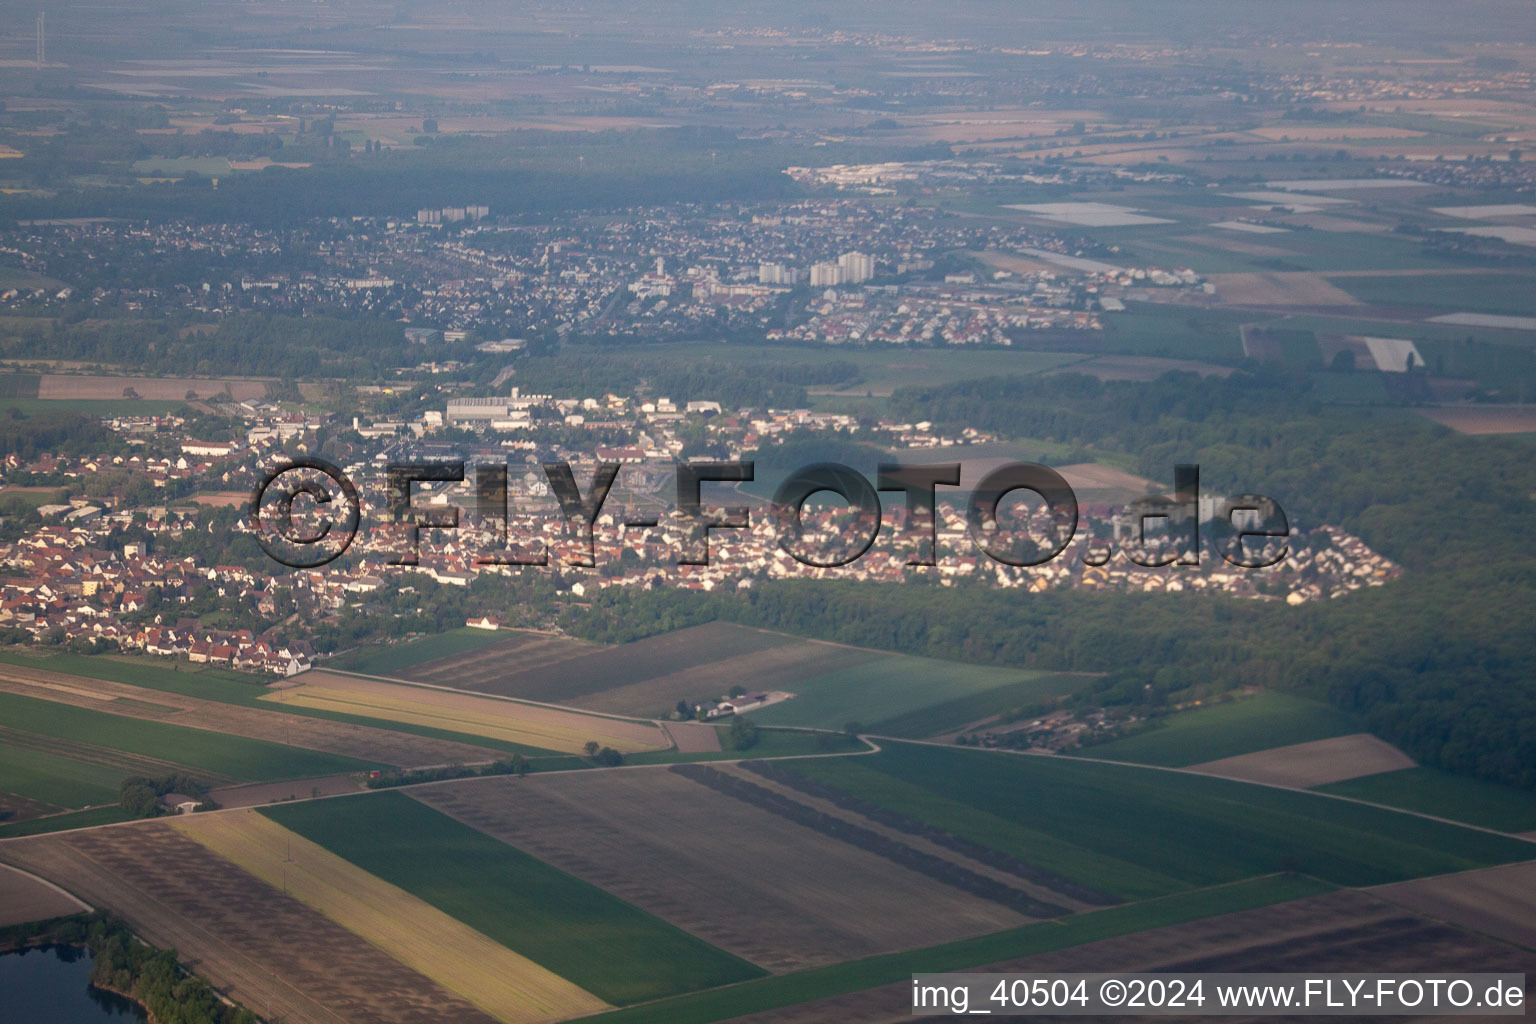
(509, 987)
(548, 728)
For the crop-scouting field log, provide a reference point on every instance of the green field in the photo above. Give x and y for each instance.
(962, 711)
(57, 780)
(1118, 873)
(906, 696)
(1350, 388)
(613, 950)
(229, 687)
(1433, 791)
(95, 406)
(207, 166)
(1482, 292)
(235, 756)
(390, 659)
(1240, 726)
(1195, 830)
(854, 976)
(60, 822)
(1177, 332)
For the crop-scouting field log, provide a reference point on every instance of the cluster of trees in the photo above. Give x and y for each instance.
(124, 965)
(742, 735)
(28, 435)
(731, 383)
(605, 757)
(153, 978)
(259, 345)
(140, 796)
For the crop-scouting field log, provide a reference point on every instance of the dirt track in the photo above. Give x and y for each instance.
(24, 898)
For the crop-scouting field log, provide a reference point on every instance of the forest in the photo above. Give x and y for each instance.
(259, 345)
(1439, 662)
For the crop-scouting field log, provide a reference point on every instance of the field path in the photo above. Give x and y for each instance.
(919, 843)
(25, 897)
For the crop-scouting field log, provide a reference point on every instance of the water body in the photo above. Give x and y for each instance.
(51, 985)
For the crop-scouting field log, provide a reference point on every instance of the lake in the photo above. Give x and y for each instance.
(51, 985)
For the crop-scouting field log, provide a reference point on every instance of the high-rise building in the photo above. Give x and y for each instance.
(856, 267)
(826, 275)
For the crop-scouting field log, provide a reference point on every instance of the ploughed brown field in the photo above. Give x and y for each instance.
(1290, 288)
(24, 898)
(1337, 932)
(646, 677)
(253, 943)
(360, 741)
(1499, 901)
(770, 891)
(1315, 763)
(1486, 420)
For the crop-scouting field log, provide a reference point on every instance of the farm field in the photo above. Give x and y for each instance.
(1499, 901)
(1444, 795)
(56, 781)
(1331, 931)
(206, 685)
(769, 994)
(1484, 291)
(1312, 764)
(1164, 818)
(83, 387)
(1259, 722)
(234, 708)
(1175, 332)
(24, 898)
(95, 406)
(606, 946)
(510, 988)
(1479, 421)
(687, 662)
(218, 755)
(395, 659)
(834, 683)
(538, 728)
(62, 822)
(258, 946)
(679, 850)
(911, 696)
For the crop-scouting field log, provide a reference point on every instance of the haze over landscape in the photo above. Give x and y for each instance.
(536, 512)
